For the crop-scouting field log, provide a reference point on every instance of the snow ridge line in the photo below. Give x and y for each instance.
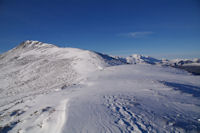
(61, 115)
(62, 119)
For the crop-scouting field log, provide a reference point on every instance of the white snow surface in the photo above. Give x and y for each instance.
(47, 89)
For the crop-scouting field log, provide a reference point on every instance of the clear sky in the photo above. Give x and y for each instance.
(159, 28)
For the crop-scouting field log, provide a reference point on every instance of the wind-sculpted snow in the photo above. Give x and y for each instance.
(134, 116)
(132, 98)
(47, 89)
(35, 67)
(31, 72)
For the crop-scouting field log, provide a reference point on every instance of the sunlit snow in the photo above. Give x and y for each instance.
(47, 89)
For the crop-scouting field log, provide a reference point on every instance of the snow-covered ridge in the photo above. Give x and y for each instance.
(34, 44)
(41, 66)
(34, 68)
(184, 61)
(29, 51)
(108, 59)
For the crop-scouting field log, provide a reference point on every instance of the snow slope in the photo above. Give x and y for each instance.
(136, 98)
(42, 67)
(48, 89)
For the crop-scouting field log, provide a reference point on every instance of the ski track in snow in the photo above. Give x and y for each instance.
(61, 116)
(126, 120)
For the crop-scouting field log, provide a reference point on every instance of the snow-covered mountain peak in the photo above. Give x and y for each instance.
(196, 60)
(34, 44)
(34, 52)
(135, 58)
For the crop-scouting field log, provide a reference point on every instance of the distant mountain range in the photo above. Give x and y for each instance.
(135, 59)
(191, 65)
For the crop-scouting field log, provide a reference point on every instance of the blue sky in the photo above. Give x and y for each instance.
(160, 28)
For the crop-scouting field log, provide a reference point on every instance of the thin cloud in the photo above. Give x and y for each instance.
(137, 34)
